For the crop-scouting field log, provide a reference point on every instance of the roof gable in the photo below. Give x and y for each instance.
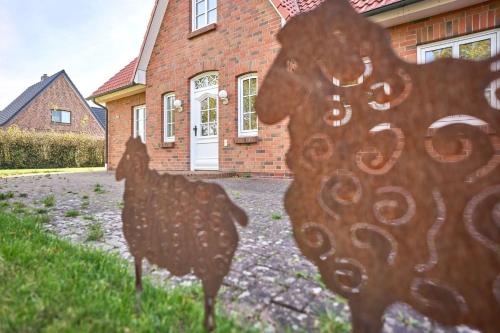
(26, 98)
(30, 94)
(135, 72)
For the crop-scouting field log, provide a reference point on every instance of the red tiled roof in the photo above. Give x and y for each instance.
(366, 5)
(122, 79)
(287, 8)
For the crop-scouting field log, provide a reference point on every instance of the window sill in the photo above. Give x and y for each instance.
(61, 124)
(201, 31)
(167, 145)
(246, 140)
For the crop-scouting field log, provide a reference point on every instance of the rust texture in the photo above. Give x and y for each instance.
(183, 226)
(388, 203)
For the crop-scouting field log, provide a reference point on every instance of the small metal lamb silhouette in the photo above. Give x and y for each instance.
(177, 224)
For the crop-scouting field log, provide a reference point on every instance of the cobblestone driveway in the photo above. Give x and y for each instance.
(271, 285)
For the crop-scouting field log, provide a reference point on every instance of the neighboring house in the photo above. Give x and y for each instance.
(54, 104)
(197, 52)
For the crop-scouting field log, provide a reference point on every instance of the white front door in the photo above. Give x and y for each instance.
(205, 122)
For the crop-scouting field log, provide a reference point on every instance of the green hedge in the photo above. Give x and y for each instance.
(20, 149)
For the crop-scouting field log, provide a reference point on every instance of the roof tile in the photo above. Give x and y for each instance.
(123, 78)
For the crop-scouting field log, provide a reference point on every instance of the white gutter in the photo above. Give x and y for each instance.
(420, 10)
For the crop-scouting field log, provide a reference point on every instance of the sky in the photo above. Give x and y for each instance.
(90, 39)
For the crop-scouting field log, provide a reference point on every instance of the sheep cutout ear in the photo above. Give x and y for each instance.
(396, 192)
(177, 224)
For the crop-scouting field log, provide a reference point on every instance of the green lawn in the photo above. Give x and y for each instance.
(17, 172)
(49, 285)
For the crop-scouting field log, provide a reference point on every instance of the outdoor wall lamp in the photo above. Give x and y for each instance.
(223, 97)
(178, 105)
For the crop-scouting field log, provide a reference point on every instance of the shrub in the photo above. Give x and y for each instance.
(22, 149)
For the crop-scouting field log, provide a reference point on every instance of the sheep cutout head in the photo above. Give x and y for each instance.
(183, 226)
(396, 192)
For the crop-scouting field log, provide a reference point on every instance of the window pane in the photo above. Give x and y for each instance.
(56, 116)
(212, 16)
(213, 115)
(252, 104)
(253, 86)
(213, 128)
(246, 122)
(212, 103)
(246, 104)
(169, 116)
(65, 117)
(446, 52)
(246, 87)
(479, 50)
(200, 7)
(204, 104)
(204, 130)
(204, 117)
(200, 21)
(253, 120)
(212, 4)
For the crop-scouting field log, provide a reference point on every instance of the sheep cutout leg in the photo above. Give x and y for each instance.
(183, 226)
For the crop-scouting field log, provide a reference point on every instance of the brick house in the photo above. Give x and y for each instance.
(54, 104)
(190, 92)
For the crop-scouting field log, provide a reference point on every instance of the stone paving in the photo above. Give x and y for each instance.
(271, 287)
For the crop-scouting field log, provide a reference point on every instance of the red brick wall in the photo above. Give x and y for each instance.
(120, 126)
(59, 95)
(243, 42)
(406, 37)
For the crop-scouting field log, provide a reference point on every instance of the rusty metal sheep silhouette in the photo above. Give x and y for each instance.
(178, 224)
(390, 201)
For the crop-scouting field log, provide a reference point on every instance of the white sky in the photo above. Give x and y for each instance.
(90, 39)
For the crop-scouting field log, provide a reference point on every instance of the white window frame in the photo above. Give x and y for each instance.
(454, 43)
(61, 117)
(166, 109)
(135, 121)
(195, 13)
(241, 131)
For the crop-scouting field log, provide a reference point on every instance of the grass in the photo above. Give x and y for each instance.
(23, 195)
(96, 232)
(72, 213)
(49, 201)
(19, 208)
(6, 196)
(332, 323)
(98, 189)
(49, 285)
(276, 216)
(17, 172)
(41, 211)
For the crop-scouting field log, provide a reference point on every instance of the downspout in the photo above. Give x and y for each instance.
(390, 7)
(106, 130)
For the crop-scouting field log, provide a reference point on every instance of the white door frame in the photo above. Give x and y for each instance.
(195, 96)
